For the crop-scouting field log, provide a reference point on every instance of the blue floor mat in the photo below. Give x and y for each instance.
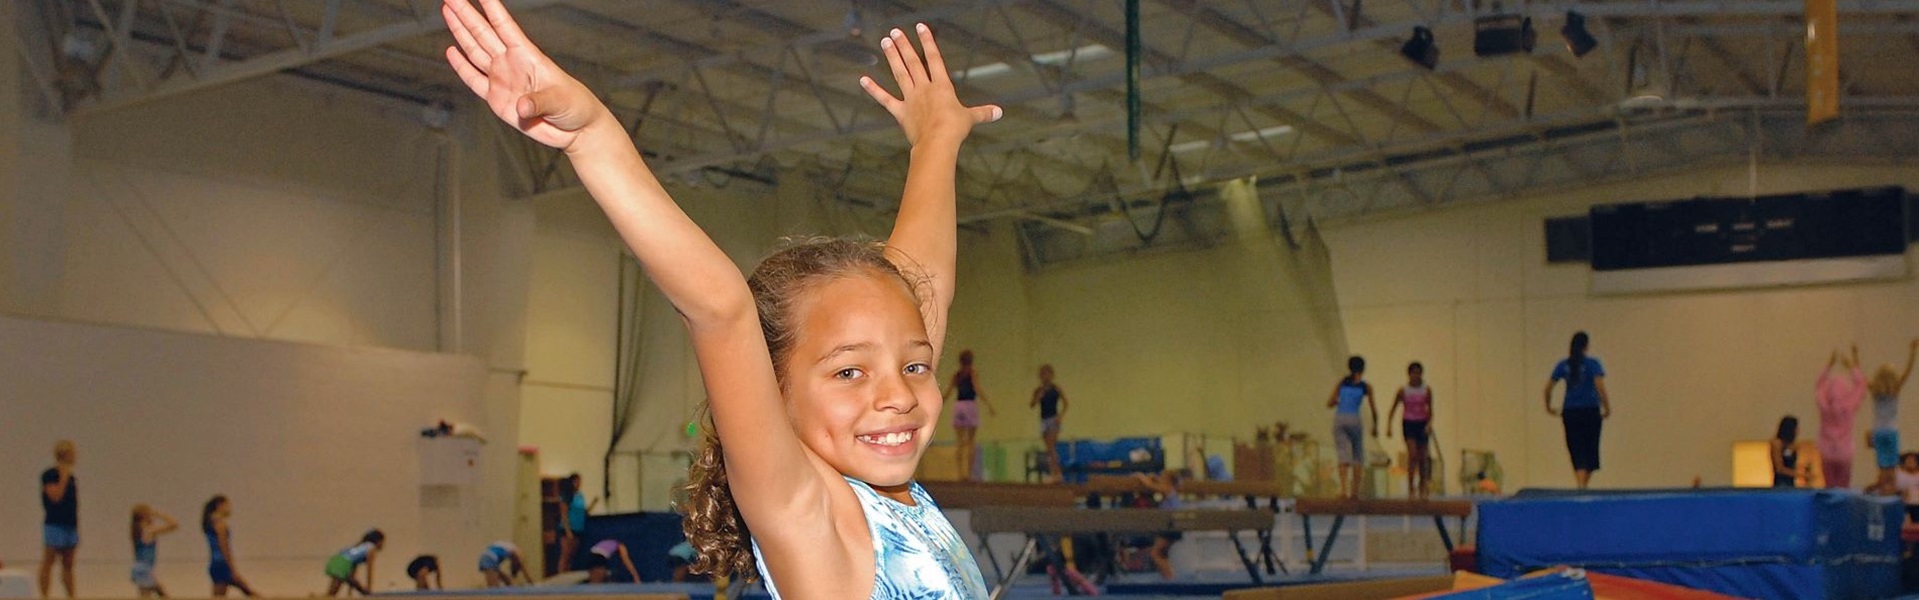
(1206, 585)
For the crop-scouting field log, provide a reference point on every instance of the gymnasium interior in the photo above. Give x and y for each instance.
(274, 250)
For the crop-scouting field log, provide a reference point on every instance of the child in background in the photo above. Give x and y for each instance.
(1418, 428)
(340, 568)
(572, 519)
(423, 565)
(1907, 481)
(60, 530)
(1348, 433)
(968, 398)
(600, 557)
(1052, 413)
(213, 522)
(500, 562)
(148, 526)
(1884, 439)
(1838, 398)
(680, 558)
(818, 368)
(1786, 469)
(1166, 485)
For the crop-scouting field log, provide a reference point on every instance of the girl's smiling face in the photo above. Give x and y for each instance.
(859, 386)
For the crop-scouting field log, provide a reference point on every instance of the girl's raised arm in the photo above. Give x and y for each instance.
(767, 466)
(925, 239)
(1912, 353)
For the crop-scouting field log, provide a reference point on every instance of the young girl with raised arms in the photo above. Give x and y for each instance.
(818, 368)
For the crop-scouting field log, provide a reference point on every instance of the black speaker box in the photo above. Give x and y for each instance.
(1503, 34)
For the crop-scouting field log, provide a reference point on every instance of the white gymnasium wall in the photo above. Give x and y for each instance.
(1467, 290)
(313, 444)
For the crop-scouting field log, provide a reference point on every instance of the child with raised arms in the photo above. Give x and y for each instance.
(147, 527)
(818, 368)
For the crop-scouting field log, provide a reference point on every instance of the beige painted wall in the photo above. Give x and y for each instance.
(313, 444)
(1213, 341)
(572, 323)
(275, 211)
(1467, 290)
(269, 209)
(572, 301)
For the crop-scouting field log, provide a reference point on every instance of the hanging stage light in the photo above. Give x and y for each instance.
(1420, 48)
(1578, 39)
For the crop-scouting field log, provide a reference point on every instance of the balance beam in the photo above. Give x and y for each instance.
(1036, 523)
(1339, 509)
(1248, 489)
(1002, 519)
(1387, 508)
(1252, 491)
(973, 495)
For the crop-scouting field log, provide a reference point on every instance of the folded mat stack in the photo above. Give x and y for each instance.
(1771, 544)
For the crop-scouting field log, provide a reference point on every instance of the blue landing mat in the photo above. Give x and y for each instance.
(1767, 544)
(1192, 586)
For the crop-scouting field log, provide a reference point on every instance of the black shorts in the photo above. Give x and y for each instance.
(1416, 432)
(595, 561)
(1582, 437)
(425, 562)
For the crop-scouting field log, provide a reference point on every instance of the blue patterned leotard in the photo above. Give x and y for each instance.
(916, 553)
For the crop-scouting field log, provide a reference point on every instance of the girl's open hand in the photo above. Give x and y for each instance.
(522, 86)
(928, 108)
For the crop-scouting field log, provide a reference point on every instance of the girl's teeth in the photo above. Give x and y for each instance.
(890, 439)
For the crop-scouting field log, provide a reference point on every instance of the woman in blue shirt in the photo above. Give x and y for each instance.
(1586, 406)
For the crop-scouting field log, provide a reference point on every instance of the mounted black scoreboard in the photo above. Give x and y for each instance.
(1718, 231)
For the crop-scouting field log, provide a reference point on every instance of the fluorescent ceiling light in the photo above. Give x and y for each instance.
(1244, 136)
(992, 70)
(1061, 57)
(1184, 147)
(1051, 59)
(1253, 136)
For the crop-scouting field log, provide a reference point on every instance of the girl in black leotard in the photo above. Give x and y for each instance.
(1052, 409)
(1785, 457)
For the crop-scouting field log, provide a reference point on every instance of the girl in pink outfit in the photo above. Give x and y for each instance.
(1838, 398)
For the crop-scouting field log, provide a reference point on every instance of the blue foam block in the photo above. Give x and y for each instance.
(1558, 586)
(1750, 543)
(647, 535)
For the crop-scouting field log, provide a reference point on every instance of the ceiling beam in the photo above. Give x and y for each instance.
(290, 58)
(1247, 36)
(1098, 32)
